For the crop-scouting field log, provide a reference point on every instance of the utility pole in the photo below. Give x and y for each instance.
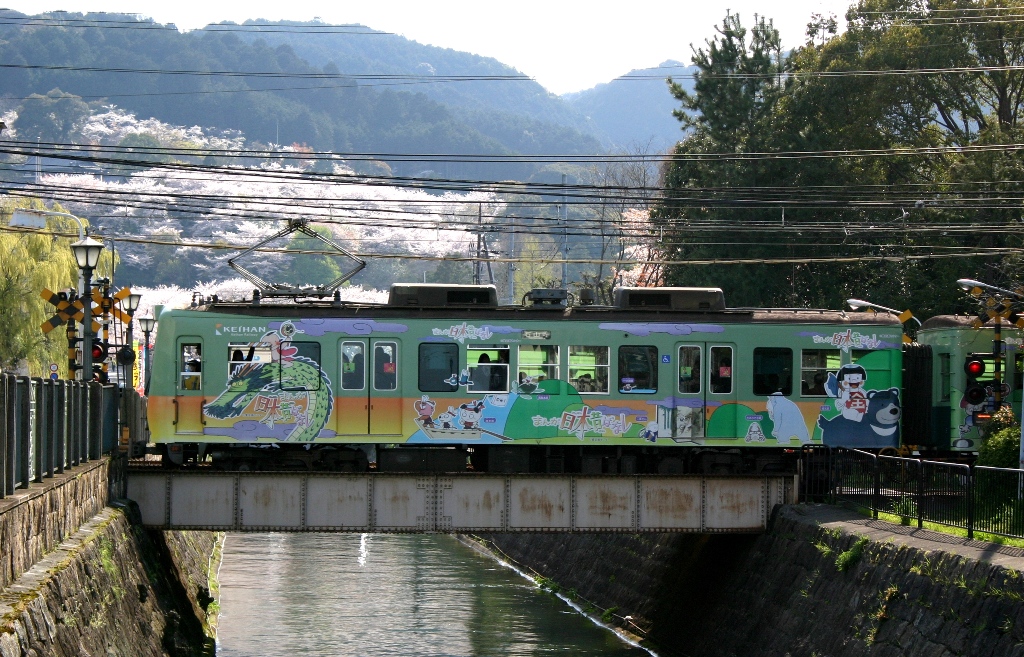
(512, 265)
(565, 238)
(479, 243)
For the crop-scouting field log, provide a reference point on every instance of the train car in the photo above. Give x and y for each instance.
(959, 395)
(442, 378)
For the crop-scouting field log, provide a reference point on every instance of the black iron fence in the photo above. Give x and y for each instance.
(47, 426)
(973, 498)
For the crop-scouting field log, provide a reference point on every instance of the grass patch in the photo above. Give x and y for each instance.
(547, 584)
(849, 558)
(824, 548)
(952, 531)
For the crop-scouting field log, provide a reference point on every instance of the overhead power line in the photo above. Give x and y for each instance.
(56, 19)
(547, 261)
(320, 75)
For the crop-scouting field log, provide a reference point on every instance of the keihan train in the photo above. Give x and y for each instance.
(665, 380)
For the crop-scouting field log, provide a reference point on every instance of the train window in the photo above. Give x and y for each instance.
(689, 369)
(945, 378)
(488, 369)
(638, 369)
(353, 366)
(538, 362)
(439, 367)
(588, 368)
(721, 370)
(385, 366)
(1018, 373)
(773, 370)
(815, 364)
(191, 366)
(243, 353)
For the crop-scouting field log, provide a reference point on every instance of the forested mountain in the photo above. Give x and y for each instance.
(371, 52)
(292, 101)
(636, 109)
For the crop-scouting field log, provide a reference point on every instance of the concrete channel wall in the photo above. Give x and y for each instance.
(79, 577)
(805, 588)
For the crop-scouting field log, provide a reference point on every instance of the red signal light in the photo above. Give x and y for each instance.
(974, 368)
(97, 352)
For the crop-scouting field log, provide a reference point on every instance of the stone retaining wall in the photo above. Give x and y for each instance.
(80, 578)
(110, 590)
(34, 521)
(798, 590)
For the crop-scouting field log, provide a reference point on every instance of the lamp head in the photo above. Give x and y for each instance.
(968, 283)
(147, 324)
(132, 302)
(28, 218)
(87, 252)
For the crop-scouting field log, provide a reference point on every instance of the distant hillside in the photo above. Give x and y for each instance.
(636, 108)
(380, 53)
(325, 113)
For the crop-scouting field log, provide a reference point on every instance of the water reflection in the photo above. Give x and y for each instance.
(422, 595)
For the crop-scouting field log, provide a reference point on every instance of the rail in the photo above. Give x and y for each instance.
(48, 426)
(972, 498)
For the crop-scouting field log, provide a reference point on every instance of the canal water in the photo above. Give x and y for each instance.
(390, 594)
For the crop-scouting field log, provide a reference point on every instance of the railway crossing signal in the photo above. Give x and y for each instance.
(103, 306)
(974, 392)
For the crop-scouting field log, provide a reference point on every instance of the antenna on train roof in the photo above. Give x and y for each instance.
(268, 289)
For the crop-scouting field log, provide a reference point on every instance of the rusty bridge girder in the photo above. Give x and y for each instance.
(442, 503)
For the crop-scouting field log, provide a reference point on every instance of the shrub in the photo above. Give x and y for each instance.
(1001, 449)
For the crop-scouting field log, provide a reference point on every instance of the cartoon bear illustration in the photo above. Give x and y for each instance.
(881, 429)
(788, 420)
(883, 414)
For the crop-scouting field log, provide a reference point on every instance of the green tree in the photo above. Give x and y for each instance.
(874, 215)
(457, 272)
(736, 84)
(31, 262)
(51, 118)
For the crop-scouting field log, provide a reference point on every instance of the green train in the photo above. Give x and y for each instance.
(443, 378)
(961, 382)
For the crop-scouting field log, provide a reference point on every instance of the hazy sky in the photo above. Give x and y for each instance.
(566, 45)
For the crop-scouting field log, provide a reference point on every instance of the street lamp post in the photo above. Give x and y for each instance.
(131, 304)
(147, 324)
(87, 255)
(902, 315)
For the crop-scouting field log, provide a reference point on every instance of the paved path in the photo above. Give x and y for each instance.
(851, 522)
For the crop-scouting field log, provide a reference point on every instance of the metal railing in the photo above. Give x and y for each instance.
(974, 498)
(47, 426)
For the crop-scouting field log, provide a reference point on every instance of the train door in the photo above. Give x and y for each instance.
(189, 394)
(691, 388)
(353, 397)
(370, 396)
(385, 400)
(721, 421)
